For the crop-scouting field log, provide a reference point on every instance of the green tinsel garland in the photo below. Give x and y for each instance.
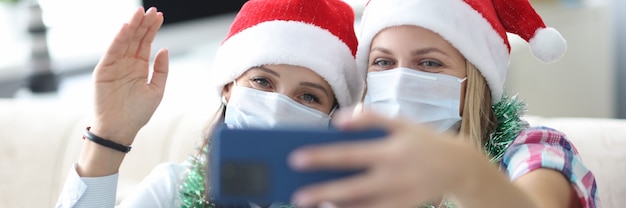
(192, 190)
(508, 112)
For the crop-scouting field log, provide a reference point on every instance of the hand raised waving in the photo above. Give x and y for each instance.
(126, 96)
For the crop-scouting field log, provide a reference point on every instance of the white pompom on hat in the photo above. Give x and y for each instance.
(477, 28)
(315, 34)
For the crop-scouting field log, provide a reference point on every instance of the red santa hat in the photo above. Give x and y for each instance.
(316, 34)
(477, 28)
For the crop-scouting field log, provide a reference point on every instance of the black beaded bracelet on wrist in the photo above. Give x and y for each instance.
(104, 142)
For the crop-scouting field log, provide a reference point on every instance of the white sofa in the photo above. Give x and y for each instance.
(39, 140)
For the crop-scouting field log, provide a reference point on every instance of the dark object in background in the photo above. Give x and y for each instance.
(42, 79)
(183, 10)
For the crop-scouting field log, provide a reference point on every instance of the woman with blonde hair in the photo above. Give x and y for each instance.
(436, 72)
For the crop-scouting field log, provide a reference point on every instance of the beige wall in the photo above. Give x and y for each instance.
(582, 83)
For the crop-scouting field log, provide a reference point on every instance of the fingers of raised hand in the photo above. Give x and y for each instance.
(118, 48)
(161, 69)
(143, 51)
(143, 28)
(130, 36)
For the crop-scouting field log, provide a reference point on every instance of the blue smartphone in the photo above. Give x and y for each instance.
(250, 165)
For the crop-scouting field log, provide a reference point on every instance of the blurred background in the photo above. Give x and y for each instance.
(48, 49)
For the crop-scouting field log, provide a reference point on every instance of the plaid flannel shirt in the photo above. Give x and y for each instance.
(543, 147)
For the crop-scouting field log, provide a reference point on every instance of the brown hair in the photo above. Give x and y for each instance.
(218, 116)
(205, 148)
(478, 119)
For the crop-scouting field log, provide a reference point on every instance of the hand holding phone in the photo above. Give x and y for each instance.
(250, 165)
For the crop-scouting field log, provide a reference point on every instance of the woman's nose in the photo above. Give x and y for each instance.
(404, 64)
(284, 91)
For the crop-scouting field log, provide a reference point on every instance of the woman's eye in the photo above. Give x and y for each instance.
(309, 98)
(261, 82)
(383, 62)
(431, 64)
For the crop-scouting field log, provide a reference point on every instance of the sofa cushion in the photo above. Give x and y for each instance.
(42, 139)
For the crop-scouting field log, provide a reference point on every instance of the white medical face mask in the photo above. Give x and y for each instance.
(419, 96)
(251, 108)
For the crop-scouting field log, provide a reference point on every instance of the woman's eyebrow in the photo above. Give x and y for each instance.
(382, 50)
(424, 51)
(270, 71)
(314, 85)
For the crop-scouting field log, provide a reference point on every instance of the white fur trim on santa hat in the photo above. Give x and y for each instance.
(456, 21)
(548, 45)
(293, 43)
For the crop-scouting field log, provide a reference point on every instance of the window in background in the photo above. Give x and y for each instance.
(79, 31)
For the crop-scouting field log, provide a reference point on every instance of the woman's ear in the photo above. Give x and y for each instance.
(226, 92)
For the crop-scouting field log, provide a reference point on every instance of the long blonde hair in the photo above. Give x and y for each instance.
(478, 120)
